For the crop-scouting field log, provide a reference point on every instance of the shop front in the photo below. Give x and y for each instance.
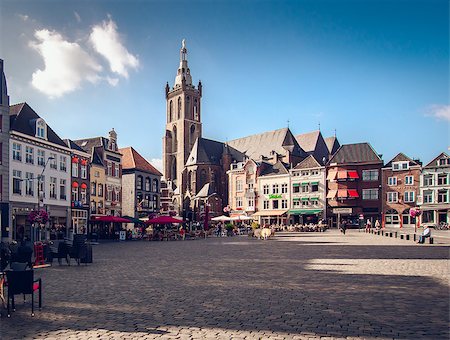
(271, 217)
(305, 216)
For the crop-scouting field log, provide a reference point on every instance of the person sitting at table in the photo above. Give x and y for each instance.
(426, 233)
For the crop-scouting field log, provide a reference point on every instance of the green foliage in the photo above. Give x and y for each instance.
(255, 225)
(229, 226)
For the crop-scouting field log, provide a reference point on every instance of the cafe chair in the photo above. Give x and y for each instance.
(22, 282)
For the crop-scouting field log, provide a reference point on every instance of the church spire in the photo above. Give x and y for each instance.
(183, 74)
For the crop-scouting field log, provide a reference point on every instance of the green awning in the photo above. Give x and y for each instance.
(314, 183)
(305, 183)
(305, 211)
(314, 198)
(295, 184)
(305, 198)
(296, 199)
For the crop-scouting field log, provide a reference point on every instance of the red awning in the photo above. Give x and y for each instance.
(353, 193)
(353, 174)
(342, 193)
(75, 185)
(342, 174)
(83, 186)
(114, 219)
(163, 220)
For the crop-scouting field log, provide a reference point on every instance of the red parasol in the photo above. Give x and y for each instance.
(114, 219)
(163, 220)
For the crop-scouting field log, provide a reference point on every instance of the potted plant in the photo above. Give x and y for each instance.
(229, 227)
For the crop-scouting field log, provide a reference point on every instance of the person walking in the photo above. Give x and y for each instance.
(368, 226)
(377, 225)
(344, 226)
(219, 230)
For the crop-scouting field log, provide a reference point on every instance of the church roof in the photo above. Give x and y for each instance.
(314, 144)
(206, 191)
(22, 118)
(401, 157)
(207, 151)
(264, 144)
(133, 160)
(308, 163)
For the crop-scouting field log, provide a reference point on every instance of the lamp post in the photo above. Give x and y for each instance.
(39, 178)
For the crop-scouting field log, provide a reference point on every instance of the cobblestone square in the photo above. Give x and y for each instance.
(294, 286)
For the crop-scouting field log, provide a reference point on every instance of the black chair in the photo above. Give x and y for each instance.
(78, 250)
(63, 253)
(22, 282)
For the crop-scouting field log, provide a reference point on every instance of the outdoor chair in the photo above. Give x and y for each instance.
(22, 282)
(62, 253)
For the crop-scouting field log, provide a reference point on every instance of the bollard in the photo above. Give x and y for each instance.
(414, 237)
(431, 240)
(401, 236)
(407, 237)
(390, 234)
(396, 235)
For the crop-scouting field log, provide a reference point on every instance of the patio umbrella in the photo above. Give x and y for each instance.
(221, 218)
(163, 220)
(114, 219)
(241, 218)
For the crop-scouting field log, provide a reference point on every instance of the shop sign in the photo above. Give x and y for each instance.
(274, 196)
(342, 210)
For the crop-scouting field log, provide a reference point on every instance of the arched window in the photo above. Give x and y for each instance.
(179, 107)
(170, 111)
(192, 135)
(155, 202)
(213, 180)
(174, 139)
(147, 184)
(155, 185)
(174, 168)
(187, 111)
(195, 109)
(189, 181)
(169, 141)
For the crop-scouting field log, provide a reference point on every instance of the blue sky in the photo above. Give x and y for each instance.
(375, 71)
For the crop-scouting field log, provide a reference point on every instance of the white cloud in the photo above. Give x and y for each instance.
(439, 112)
(157, 163)
(112, 81)
(106, 41)
(77, 16)
(24, 17)
(66, 64)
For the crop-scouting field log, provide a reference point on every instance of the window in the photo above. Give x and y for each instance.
(314, 172)
(296, 173)
(442, 161)
(305, 188)
(305, 173)
(409, 180)
(315, 202)
(314, 187)
(53, 161)
(238, 202)
(83, 196)
(83, 171)
(400, 166)
(408, 196)
(251, 202)
(392, 181)
(29, 184)
(29, 155)
(155, 185)
(93, 188)
(370, 194)
(17, 152)
(283, 204)
(17, 182)
(41, 184)
(62, 189)
(40, 129)
(74, 194)
(392, 197)
(93, 207)
(428, 180)
(296, 188)
(74, 169)
(41, 157)
(139, 183)
(117, 173)
(275, 204)
(442, 179)
(275, 189)
(305, 203)
(370, 175)
(63, 163)
(155, 202)
(284, 188)
(239, 185)
(266, 204)
(265, 189)
(100, 190)
(97, 174)
(147, 184)
(52, 187)
(443, 196)
(109, 168)
(296, 203)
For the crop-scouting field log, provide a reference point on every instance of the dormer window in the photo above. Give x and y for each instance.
(41, 129)
(396, 166)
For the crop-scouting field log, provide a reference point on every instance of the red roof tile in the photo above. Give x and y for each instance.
(131, 159)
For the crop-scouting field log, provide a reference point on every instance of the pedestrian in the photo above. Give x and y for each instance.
(182, 233)
(344, 226)
(377, 225)
(368, 225)
(426, 233)
(219, 230)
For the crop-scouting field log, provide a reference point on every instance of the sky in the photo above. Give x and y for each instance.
(369, 71)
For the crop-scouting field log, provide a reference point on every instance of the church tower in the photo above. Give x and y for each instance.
(183, 123)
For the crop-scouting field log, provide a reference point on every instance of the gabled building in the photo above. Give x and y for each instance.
(354, 184)
(314, 144)
(80, 188)
(108, 151)
(141, 184)
(434, 199)
(4, 158)
(273, 194)
(332, 145)
(98, 184)
(308, 192)
(400, 188)
(40, 167)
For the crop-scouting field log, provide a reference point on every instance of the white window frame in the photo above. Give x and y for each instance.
(17, 152)
(266, 204)
(239, 185)
(370, 194)
(265, 189)
(409, 180)
(409, 196)
(392, 197)
(41, 157)
(29, 154)
(275, 189)
(284, 188)
(370, 175)
(63, 163)
(392, 181)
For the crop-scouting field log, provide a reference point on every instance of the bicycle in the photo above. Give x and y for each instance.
(442, 226)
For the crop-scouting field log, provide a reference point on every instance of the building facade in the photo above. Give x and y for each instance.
(40, 174)
(5, 219)
(308, 188)
(400, 188)
(141, 185)
(98, 183)
(354, 184)
(434, 197)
